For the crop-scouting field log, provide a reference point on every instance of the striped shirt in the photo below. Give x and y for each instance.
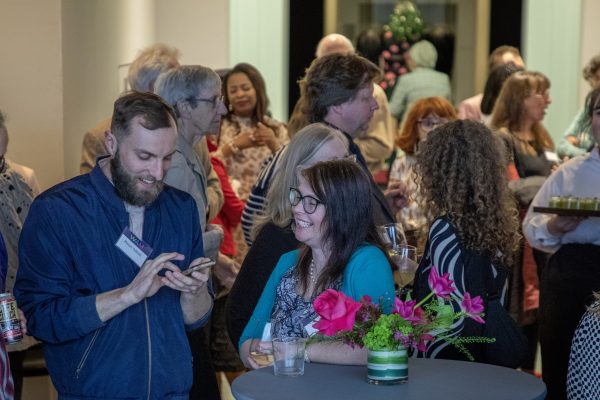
(257, 200)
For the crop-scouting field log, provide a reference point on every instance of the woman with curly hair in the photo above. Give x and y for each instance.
(474, 227)
(424, 115)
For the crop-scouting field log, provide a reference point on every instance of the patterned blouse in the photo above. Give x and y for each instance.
(291, 312)
(583, 378)
(244, 166)
(15, 199)
(445, 253)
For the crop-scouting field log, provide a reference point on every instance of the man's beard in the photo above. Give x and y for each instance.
(125, 185)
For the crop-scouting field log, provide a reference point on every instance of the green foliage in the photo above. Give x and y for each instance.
(405, 22)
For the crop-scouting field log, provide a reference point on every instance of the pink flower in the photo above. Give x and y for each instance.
(440, 285)
(473, 307)
(337, 312)
(386, 54)
(406, 309)
(387, 34)
(394, 48)
(423, 340)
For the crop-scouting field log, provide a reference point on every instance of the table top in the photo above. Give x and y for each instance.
(427, 379)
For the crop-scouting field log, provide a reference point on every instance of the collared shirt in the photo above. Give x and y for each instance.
(579, 177)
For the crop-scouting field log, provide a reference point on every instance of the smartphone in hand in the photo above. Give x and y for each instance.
(198, 267)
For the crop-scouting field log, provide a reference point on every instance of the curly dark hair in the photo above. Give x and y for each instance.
(332, 80)
(462, 176)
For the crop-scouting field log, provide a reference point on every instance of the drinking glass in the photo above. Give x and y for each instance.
(289, 356)
(405, 259)
(261, 348)
(392, 234)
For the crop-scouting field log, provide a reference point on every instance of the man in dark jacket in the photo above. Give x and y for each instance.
(101, 257)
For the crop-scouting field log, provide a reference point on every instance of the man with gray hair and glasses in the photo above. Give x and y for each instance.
(142, 75)
(194, 92)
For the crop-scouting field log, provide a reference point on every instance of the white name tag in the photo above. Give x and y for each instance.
(135, 248)
(309, 329)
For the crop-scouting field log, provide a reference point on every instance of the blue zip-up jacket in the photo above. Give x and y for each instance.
(68, 255)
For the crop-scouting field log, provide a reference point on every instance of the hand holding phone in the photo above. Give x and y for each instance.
(198, 267)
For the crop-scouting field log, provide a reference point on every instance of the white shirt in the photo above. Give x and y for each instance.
(579, 177)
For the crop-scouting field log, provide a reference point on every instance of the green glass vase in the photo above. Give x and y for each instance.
(387, 367)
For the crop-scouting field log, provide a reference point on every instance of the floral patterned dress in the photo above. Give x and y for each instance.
(291, 312)
(243, 167)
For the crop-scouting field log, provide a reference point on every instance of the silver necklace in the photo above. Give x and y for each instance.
(311, 271)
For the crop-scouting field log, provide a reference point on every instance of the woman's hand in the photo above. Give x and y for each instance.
(265, 136)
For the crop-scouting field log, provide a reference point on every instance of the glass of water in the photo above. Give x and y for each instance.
(289, 356)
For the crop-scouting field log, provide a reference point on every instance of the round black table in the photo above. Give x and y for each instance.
(427, 379)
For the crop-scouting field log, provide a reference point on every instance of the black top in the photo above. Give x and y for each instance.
(270, 244)
(470, 273)
(526, 164)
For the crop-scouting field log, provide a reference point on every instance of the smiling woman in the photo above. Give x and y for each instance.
(248, 135)
(340, 249)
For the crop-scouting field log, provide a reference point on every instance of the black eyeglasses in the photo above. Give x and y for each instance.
(213, 100)
(309, 203)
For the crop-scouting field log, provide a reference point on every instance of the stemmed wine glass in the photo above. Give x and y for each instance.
(392, 234)
(405, 258)
(261, 348)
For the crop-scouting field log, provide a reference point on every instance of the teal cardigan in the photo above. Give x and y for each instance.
(368, 272)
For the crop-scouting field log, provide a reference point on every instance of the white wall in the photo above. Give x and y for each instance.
(590, 45)
(259, 36)
(100, 35)
(31, 85)
(551, 44)
(198, 28)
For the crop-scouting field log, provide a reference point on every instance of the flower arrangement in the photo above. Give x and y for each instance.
(410, 325)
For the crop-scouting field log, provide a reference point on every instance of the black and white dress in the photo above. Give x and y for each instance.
(583, 378)
(469, 271)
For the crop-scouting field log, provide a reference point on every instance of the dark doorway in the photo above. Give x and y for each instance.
(505, 23)
(306, 29)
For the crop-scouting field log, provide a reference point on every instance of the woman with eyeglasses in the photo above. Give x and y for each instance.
(272, 232)
(248, 135)
(340, 249)
(424, 115)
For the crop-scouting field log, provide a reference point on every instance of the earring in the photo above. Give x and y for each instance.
(230, 108)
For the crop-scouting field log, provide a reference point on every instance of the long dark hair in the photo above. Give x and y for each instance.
(345, 189)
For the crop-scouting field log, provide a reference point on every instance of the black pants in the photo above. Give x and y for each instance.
(16, 368)
(205, 384)
(566, 287)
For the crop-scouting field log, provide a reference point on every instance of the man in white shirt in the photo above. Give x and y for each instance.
(572, 275)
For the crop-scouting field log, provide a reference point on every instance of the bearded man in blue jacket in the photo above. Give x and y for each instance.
(101, 257)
